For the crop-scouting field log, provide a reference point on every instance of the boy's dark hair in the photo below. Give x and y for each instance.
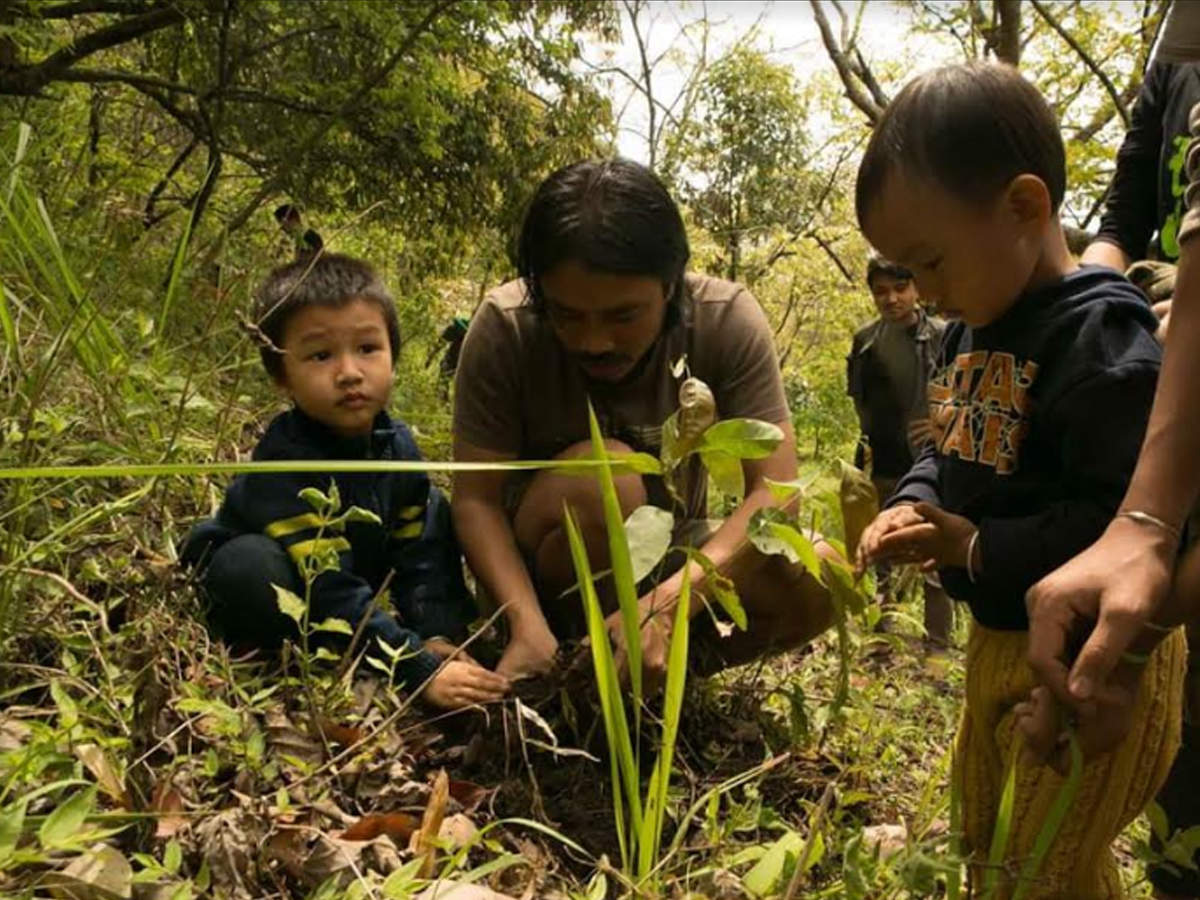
(333, 279)
(286, 211)
(877, 265)
(969, 128)
(612, 216)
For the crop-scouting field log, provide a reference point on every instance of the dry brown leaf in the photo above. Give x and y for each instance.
(97, 762)
(335, 733)
(229, 842)
(288, 740)
(398, 826)
(102, 873)
(167, 803)
(13, 733)
(425, 839)
(458, 890)
(468, 794)
(457, 831)
(331, 856)
(287, 846)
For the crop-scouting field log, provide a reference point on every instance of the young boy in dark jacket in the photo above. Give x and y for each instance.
(332, 338)
(1038, 410)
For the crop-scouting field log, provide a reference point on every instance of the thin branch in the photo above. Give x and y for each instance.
(1085, 57)
(149, 217)
(854, 88)
(832, 254)
(29, 80)
(118, 76)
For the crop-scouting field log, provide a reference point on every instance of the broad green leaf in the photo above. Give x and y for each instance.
(315, 498)
(68, 712)
(840, 581)
(765, 877)
(1157, 818)
(172, 857)
(336, 626)
(859, 504)
(289, 604)
(648, 533)
(12, 820)
(771, 532)
(742, 438)
(66, 821)
(726, 472)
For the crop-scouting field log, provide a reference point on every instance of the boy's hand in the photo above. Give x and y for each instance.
(462, 683)
(1100, 724)
(893, 519)
(939, 539)
(528, 653)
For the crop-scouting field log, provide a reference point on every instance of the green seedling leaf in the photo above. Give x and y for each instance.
(635, 463)
(335, 626)
(62, 825)
(764, 878)
(720, 588)
(1157, 818)
(172, 857)
(1002, 828)
(840, 581)
(742, 438)
(68, 712)
(289, 604)
(772, 533)
(648, 533)
(358, 514)
(598, 887)
(12, 821)
(859, 504)
(316, 499)
(726, 472)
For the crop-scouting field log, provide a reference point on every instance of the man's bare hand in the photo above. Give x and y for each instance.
(655, 645)
(1102, 599)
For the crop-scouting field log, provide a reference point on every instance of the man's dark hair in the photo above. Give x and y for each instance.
(877, 265)
(613, 216)
(969, 128)
(331, 280)
(286, 211)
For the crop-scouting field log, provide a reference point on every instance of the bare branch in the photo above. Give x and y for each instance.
(133, 79)
(850, 81)
(1008, 32)
(1085, 57)
(79, 8)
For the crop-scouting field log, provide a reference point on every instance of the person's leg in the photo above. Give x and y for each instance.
(785, 608)
(1113, 790)
(540, 530)
(939, 613)
(1180, 796)
(238, 584)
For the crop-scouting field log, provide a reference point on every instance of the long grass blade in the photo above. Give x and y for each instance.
(1002, 828)
(155, 470)
(954, 879)
(1053, 821)
(622, 763)
(660, 779)
(622, 567)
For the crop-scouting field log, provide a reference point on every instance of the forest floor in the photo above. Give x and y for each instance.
(138, 758)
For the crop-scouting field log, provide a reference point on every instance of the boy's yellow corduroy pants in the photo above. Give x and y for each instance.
(1115, 787)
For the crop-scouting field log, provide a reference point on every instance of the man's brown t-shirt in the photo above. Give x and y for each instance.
(518, 392)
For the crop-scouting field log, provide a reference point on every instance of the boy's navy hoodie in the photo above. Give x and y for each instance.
(1038, 419)
(416, 538)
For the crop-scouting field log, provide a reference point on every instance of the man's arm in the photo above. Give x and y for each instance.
(720, 548)
(490, 546)
(1131, 208)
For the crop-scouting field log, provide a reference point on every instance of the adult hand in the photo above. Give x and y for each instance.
(462, 683)
(1106, 595)
(655, 644)
(530, 652)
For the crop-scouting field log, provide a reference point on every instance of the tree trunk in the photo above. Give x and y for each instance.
(1008, 31)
